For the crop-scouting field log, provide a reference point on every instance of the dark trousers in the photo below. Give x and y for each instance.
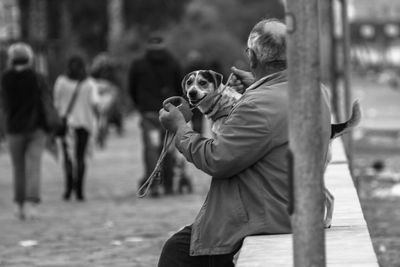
(74, 165)
(175, 253)
(153, 137)
(26, 157)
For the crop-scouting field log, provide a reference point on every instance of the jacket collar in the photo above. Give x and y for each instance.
(274, 78)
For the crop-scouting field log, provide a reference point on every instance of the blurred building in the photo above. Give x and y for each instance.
(375, 33)
(372, 10)
(9, 27)
(9, 20)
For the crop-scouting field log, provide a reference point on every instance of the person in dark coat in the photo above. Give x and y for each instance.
(22, 105)
(153, 78)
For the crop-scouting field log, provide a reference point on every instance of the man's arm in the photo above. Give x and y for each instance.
(244, 139)
(241, 80)
(3, 96)
(45, 90)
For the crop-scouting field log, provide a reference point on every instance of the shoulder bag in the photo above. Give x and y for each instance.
(63, 129)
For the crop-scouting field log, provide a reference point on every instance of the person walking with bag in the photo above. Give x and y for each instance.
(22, 106)
(75, 96)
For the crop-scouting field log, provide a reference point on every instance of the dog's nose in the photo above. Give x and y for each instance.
(192, 93)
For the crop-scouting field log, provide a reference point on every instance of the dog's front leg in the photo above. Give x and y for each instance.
(329, 204)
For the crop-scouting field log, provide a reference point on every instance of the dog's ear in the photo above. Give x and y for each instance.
(217, 78)
(184, 82)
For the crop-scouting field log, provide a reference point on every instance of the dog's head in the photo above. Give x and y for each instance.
(198, 84)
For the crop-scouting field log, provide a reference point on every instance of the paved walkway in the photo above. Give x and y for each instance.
(113, 228)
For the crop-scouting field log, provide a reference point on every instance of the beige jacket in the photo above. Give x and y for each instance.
(82, 114)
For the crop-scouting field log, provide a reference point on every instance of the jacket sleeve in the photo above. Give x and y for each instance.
(244, 139)
(45, 91)
(57, 98)
(3, 96)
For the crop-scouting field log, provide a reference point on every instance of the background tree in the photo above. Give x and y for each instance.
(216, 28)
(219, 28)
(116, 23)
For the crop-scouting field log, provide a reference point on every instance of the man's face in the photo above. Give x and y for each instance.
(252, 58)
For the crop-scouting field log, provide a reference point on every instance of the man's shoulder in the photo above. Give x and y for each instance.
(265, 93)
(265, 101)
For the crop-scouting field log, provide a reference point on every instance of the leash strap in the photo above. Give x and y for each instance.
(72, 102)
(156, 174)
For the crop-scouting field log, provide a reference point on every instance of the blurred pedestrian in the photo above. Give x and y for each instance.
(22, 106)
(76, 91)
(153, 78)
(2, 130)
(110, 106)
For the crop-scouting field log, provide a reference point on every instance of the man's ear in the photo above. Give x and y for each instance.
(252, 59)
(217, 77)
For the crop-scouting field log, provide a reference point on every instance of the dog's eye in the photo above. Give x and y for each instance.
(202, 83)
(189, 82)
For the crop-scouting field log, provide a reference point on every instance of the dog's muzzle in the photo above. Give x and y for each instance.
(195, 102)
(192, 94)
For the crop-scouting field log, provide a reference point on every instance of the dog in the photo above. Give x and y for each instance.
(204, 89)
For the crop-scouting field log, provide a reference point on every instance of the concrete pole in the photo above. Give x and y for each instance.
(325, 35)
(346, 57)
(305, 132)
(346, 77)
(329, 50)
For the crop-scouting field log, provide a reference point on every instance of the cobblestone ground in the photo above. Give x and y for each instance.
(112, 228)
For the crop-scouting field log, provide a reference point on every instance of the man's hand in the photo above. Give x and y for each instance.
(241, 80)
(171, 118)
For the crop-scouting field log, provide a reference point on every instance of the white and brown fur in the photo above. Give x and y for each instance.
(204, 89)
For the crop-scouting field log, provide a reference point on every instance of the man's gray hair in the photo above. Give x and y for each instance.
(268, 40)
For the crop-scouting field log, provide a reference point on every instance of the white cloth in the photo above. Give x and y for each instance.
(82, 114)
(107, 94)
